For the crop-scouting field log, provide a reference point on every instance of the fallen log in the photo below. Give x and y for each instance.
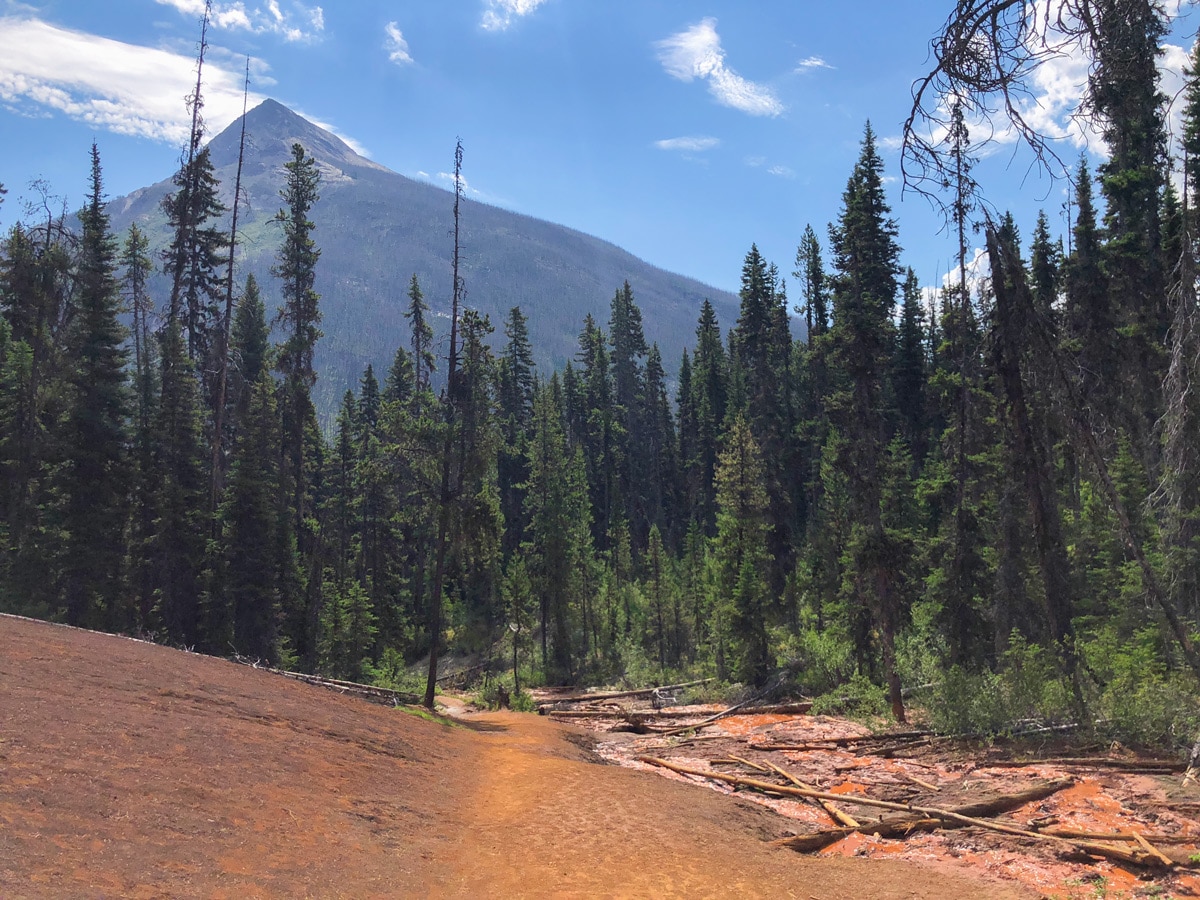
(839, 817)
(613, 695)
(988, 807)
(925, 818)
(367, 691)
(824, 743)
(1158, 838)
(621, 714)
(777, 709)
(752, 765)
(722, 714)
(1101, 762)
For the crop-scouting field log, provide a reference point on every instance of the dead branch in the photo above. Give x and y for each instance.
(928, 785)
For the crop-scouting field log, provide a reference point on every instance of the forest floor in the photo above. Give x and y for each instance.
(132, 770)
(1113, 791)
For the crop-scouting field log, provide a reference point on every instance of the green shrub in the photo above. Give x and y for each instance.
(857, 697)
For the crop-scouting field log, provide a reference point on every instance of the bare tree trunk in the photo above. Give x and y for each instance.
(227, 322)
(449, 489)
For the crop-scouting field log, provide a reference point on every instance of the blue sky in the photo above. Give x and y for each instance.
(680, 130)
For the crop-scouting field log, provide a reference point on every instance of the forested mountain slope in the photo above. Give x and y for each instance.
(376, 229)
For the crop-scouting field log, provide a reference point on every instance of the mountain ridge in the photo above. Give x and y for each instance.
(376, 228)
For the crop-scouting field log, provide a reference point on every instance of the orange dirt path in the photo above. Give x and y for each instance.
(132, 770)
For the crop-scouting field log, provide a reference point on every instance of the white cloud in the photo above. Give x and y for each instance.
(466, 188)
(268, 18)
(500, 14)
(697, 53)
(688, 144)
(118, 87)
(781, 171)
(397, 46)
(810, 63)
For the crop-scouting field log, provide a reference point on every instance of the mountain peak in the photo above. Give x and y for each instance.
(271, 129)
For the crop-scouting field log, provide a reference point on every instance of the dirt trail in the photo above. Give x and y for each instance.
(131, 770)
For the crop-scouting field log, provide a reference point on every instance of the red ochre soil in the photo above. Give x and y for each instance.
(132, 770)
(1100, 800)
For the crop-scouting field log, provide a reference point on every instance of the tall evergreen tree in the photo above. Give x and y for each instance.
(300, 316)
(1091, 323)
(255, 553)
(180, 534)
(96, 472)
(909, 368)
(866, 256)
(559, 544)
(710, 374)
(422, 335)
(628, 343)
(516, 375)
(740, 550)
(1124, 92)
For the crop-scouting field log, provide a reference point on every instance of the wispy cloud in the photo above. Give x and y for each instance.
(689, 144)
(297, 23)
(761, 162)
(500, 14)
(811, 63)
(118, 87)
(469, 191)
(397, 46)
(697, 53)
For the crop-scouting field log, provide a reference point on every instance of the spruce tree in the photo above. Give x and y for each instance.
(300, 317)
(710, 374)
(866, 257)
(516, 376)
(96, 470)
(250, 591)
(422, 335)
(909, 368)
(1124, 92)
(180, 529)
(740, 550)
(558, 548)
(1091, 323)
(195, 259)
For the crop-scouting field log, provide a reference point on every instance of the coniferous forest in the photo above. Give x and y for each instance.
(983, 500)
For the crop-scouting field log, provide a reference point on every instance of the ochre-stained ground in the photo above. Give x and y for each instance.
(944, 775)
(132, 770)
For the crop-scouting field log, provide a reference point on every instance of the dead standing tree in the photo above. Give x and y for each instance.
(453, 451)
(218, 464)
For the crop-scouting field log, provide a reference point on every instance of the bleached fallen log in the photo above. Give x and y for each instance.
(614, 695)
(926, 818)
(367, 691)
(1102, 762)
(988, 807)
